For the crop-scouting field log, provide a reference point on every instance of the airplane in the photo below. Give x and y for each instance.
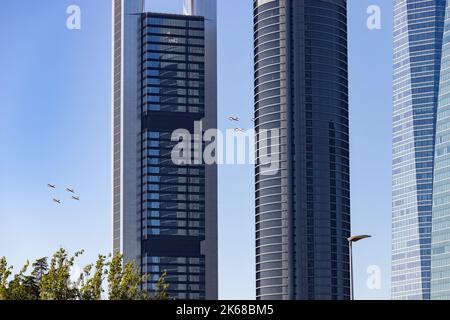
(70, 190)
(51, 186)
(233, 118)
(76, 198)
(57, 201)
(239, 130)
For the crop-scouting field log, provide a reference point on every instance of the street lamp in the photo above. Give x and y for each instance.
(350, 246)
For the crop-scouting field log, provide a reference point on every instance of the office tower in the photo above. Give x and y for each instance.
(440, 236)
(302, 209)
(164, 79)
(418, 30)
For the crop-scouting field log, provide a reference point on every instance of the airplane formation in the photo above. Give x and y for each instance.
(236, 119)
(69, 190)
(76, 198)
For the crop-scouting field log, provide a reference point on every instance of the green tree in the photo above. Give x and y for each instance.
(52, 281)
(40, 268)
(162, 288)
(56, 284)
(16, 288)
(125, 280)
(34, 281)
(91, 288)
(114, 277)
(5, 273)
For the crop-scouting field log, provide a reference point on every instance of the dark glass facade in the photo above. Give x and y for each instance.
(303, 209)
(173, 196)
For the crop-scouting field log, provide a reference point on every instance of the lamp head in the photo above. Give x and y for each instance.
(358, 238)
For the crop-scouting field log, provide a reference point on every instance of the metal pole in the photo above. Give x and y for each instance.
(350, 244)
(350, 251)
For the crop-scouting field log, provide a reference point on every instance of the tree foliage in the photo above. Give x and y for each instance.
(52, 280)
(56, 283)
(125, 280)
(162, 288)
(91, 286)
(5, 272)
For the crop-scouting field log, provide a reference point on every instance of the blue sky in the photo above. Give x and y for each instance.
(55, 127)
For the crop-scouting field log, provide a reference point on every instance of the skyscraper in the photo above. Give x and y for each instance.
(302, 209)
(418, 30)
(440, 237)
(164, 79)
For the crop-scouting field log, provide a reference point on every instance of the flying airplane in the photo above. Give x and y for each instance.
(76, 198)
(239, 130)
(51, 186)
(57, 201)
(70, 190)
(233, 118)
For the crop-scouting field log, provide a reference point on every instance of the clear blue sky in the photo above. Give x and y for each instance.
(55, 127)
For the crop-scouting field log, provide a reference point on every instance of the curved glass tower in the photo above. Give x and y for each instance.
(301, 92)
(418, 29)
(440, 237)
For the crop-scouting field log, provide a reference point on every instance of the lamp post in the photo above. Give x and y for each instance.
(350, 246)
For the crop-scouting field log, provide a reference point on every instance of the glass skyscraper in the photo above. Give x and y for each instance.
(303, 208)
(418, 31)
(165, 214)
(440, 237)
